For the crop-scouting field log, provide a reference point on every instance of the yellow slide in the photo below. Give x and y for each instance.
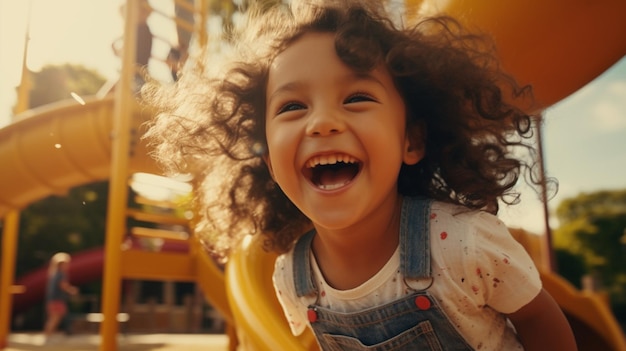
(58, 146)
(558, 46)
(258, 316)
(66, 144)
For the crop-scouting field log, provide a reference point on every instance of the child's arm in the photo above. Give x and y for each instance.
(541, 325)
(68, 288)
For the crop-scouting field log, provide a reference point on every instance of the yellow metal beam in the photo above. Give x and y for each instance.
(159, 234)
(118, 189)
(139, 264)
(7, 273)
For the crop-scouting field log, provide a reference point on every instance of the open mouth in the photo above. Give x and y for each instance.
(329, 172)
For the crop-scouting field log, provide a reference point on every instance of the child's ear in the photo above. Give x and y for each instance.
(415, 147)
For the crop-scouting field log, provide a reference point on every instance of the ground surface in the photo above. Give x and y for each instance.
(130, 342)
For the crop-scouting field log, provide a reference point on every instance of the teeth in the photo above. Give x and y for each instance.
(330, 160)
(332, 186)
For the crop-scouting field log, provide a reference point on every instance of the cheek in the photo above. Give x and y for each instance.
(275, 144)
(281, 155)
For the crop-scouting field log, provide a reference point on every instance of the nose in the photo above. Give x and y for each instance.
(323, 122)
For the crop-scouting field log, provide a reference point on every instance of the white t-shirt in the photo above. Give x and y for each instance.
(480, 273)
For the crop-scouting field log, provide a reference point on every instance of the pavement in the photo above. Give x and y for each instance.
(127, 342)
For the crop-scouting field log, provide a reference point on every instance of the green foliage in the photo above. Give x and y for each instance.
(593, 227)
(571, 266)
(56, 82)
(226, 9)
(69, 223)
(592, 204)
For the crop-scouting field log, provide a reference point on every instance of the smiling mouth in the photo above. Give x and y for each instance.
(329, 172)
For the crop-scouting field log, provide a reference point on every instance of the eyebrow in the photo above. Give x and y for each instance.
(293, 86)
(369, 77)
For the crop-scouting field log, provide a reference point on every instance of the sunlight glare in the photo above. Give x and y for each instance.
(78, 98)
(157, 187)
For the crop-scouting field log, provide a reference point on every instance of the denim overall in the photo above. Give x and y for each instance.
(414, 322)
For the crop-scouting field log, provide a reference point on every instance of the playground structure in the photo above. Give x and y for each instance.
(51, 149)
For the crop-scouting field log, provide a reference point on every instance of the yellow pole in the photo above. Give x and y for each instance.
(118, 191)
(12, 219)
(9, 246)
(202, 7)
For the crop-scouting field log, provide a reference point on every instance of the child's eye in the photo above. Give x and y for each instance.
(358, 97)
(290, 106)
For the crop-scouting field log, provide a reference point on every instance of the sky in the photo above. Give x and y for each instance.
(584, 134)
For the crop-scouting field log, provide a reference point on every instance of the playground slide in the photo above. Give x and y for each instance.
(261, 326)
(62, 145)
(59, 146)
(558, 46)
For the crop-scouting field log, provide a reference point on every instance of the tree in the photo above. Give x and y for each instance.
(69, 223)
(593, 227)
(56, 82)
(571, 267)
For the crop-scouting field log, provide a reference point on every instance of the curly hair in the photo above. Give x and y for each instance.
(468, 111)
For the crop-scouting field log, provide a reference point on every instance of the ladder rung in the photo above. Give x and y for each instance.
(156, 217)
(159, 233)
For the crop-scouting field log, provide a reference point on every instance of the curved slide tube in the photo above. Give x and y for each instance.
(261, 326)
(59, 146)
(558, 46)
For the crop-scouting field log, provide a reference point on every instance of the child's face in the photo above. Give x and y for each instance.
(63, 266)
(336, 139)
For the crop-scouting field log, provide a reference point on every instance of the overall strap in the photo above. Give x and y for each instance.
(302, 276)
(414, 247)
(415, 238)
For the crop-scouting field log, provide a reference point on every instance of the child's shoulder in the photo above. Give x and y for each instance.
(460, 213)
(468, 221)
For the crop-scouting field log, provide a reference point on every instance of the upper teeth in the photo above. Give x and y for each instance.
(330, 160)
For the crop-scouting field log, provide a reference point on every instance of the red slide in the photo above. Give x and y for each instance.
(85, 267)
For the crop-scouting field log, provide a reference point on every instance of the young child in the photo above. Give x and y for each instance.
(373, 157)
(57, 291)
